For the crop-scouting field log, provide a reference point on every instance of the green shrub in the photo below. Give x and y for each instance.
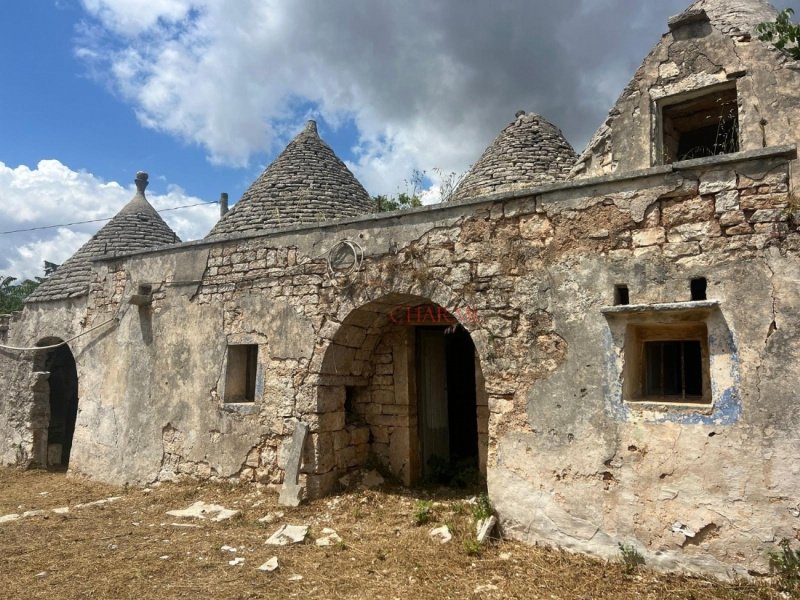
(423, 512)
(631, 558)
(785, 564)
(483, 508)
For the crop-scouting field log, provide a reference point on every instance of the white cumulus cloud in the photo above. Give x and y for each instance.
(51, 193)
(426, 83)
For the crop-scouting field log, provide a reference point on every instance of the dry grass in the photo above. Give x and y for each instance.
(114, 551)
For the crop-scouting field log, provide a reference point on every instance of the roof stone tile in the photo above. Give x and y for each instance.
(307, 183)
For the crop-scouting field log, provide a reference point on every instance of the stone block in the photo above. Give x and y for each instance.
(769, 215)
(687, 211)
(680, 249)
(734, 217)
(766, 201)
(649, 237)
(717, 181)
(693, 232)
(333, 421)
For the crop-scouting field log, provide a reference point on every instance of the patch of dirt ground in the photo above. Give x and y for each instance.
(130, 548)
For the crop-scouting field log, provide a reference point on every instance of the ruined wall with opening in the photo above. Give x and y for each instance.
(569, 460)
(706, 51)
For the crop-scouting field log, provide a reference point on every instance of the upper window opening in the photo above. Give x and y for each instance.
(700, 126)
(621, 295)
(698, 287)
(240, 375)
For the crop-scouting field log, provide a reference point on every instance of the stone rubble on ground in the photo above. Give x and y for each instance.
(269, 566)
(296, 578)
(228, 549)
(441, 534)
(329, 538)
(202, 510)
(236, 561)
(288, 534)
(271, 517)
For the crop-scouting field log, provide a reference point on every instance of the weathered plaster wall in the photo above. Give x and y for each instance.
(568, 461)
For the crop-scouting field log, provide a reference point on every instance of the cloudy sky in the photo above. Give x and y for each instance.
(203, 94)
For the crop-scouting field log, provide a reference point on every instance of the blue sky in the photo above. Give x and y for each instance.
(203, 94)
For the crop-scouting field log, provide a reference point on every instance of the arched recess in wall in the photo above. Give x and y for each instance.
(401, 382)
(55, 404)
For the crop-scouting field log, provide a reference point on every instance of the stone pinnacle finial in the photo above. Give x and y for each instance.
(311, 126)
(141, 181)
(519, 114)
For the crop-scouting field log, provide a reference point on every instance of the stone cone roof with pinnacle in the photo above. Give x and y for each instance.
(137, 226)
(306, 184)
(731, 17)
(530, 151)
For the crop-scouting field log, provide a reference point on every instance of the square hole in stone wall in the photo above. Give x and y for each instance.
(667, 363)
(240, 373)
(699, 124)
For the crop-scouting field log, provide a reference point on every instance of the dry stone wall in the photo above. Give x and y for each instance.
(568, 461)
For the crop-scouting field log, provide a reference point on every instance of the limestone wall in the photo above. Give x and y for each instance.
(694, 56)
(569, 460)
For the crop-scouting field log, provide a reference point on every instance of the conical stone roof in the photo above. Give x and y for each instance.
(731, 17)
(306, 184)
(530, 151)
(137, 226)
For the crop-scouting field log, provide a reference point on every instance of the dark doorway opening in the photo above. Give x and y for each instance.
(63, 383)
(446, 390)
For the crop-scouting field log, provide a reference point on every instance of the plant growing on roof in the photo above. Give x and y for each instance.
(782, 33)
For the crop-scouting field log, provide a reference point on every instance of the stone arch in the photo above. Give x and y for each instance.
(55, 403)
(368, 396)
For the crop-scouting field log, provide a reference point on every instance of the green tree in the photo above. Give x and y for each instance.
(12, 296)
(782, 33)
(386, 204)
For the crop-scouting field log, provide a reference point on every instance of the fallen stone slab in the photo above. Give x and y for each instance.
(441, 534)
(202, 510)
(271, 517)
(329, 538)
(288, 534)
(291, 492)
(10, 518)
(269, 566)
(485, 528)
(98, 502)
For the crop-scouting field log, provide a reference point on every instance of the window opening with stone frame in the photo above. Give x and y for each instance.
(667, 363)
(699, 124)
(240, 373)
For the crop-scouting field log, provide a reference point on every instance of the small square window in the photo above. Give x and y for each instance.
(240, 373)
(667, 363)
(700, 125)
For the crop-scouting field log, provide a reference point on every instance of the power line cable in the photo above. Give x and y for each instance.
(102, 220)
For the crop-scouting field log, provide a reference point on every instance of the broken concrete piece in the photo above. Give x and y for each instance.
(441, 534)
(288, 534)
(269, 566)
(329, 538)
(236, 561)
(62, 510)
(485, 528)
(291, 492)
(201, 510)
(228, 549)
(271, 517)
(296, 578)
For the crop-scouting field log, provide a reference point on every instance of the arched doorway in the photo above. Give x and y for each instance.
(55, 404)
(403, 375)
